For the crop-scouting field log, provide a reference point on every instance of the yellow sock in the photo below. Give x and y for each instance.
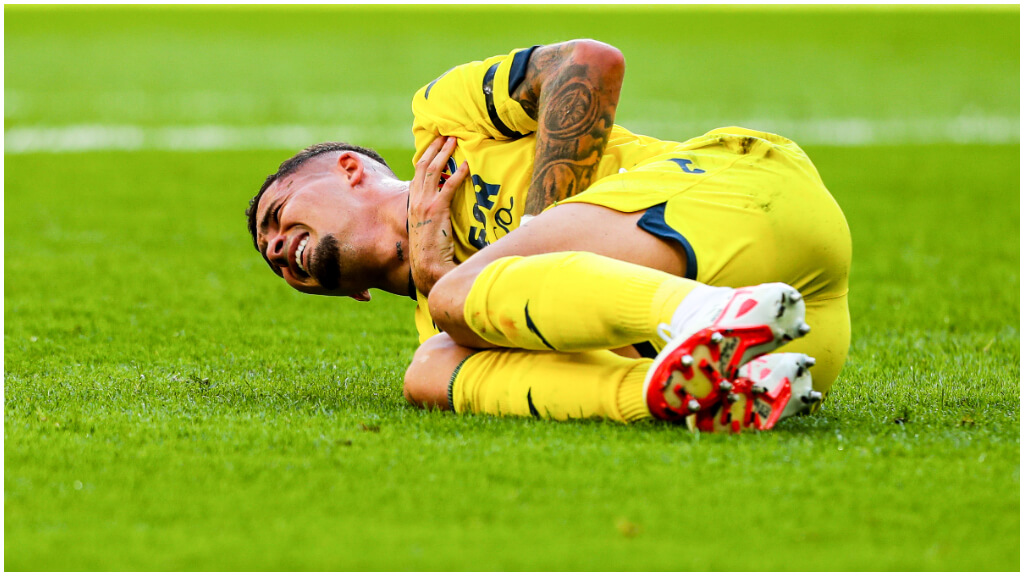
(571, 301)
(551, 385)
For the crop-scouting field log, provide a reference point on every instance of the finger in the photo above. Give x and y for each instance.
(454, 182)
(429, 154)
(437, 165)
(416, 186)
(432, 149)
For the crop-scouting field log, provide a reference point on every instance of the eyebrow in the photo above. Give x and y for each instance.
(265, 221)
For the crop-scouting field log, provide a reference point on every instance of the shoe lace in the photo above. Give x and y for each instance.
(665, 332)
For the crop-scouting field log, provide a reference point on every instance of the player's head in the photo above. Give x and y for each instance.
(320, 222)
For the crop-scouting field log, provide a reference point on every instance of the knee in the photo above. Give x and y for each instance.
(411, 389)
(428, 376)
(418, 376)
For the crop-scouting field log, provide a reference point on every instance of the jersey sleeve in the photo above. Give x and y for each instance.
(472, 102)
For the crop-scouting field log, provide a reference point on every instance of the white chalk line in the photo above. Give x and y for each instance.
(127, 138)
(214, 137)
(215, 120)
(204, 106)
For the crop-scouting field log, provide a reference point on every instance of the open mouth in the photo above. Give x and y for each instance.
(298, 256)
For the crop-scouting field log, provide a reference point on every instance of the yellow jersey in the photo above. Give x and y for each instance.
(718, 195)
(497, 138)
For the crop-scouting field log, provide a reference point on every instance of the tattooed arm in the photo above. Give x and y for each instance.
(571, 89)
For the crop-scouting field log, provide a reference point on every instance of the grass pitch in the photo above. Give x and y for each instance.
(171, 405)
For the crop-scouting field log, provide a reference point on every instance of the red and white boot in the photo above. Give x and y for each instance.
(711, 336)
(767, 389)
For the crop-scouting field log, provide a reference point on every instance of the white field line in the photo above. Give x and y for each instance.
(102, 137)
(833, 131)
(205, 106)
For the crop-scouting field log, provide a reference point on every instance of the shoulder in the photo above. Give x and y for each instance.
(473, 100)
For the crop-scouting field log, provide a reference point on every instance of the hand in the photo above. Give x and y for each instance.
(431, 243)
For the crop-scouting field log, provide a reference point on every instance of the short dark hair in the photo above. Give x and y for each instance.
(292, 165)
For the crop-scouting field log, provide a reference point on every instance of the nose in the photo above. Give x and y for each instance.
(277, 250)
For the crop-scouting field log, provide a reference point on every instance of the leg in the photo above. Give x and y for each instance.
(577, 301)
(569, 227)
(552, 385)
(576, 273)
(523, 383)
(428, 376)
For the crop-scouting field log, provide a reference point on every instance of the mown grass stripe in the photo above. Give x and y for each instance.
(847, 132)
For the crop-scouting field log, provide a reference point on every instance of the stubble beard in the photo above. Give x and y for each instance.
(325, 266)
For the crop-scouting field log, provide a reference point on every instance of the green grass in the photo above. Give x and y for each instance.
(171, 405)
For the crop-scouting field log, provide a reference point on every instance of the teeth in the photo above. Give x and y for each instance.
(298, 254)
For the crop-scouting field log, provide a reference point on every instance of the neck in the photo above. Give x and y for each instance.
(394, 219)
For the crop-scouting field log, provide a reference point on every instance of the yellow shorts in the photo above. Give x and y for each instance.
(748, 207)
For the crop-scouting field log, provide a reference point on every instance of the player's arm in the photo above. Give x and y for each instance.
(571, 89)
(431, 241)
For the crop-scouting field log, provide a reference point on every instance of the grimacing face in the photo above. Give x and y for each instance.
(314, 233)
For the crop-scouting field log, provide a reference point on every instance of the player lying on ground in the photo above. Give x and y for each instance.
(637, 245)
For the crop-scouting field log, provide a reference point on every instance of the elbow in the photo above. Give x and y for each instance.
(606, 59)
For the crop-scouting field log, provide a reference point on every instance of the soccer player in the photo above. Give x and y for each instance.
(637, 246)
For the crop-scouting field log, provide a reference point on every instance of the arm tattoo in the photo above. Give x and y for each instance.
(572, 108)
(528, 93)
(575, 112)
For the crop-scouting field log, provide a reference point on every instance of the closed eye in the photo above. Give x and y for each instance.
(273, 218)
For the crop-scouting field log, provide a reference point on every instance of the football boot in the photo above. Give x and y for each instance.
(707, 346)
(766, 389)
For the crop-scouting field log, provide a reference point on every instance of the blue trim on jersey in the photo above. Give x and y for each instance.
(491, 110)
(426, 94)
(653, 222)
(685, 165)
(517, 73)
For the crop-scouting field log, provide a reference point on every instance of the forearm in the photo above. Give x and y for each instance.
(574, 100)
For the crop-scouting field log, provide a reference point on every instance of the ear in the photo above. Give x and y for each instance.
(363, 296)
(351, 165)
